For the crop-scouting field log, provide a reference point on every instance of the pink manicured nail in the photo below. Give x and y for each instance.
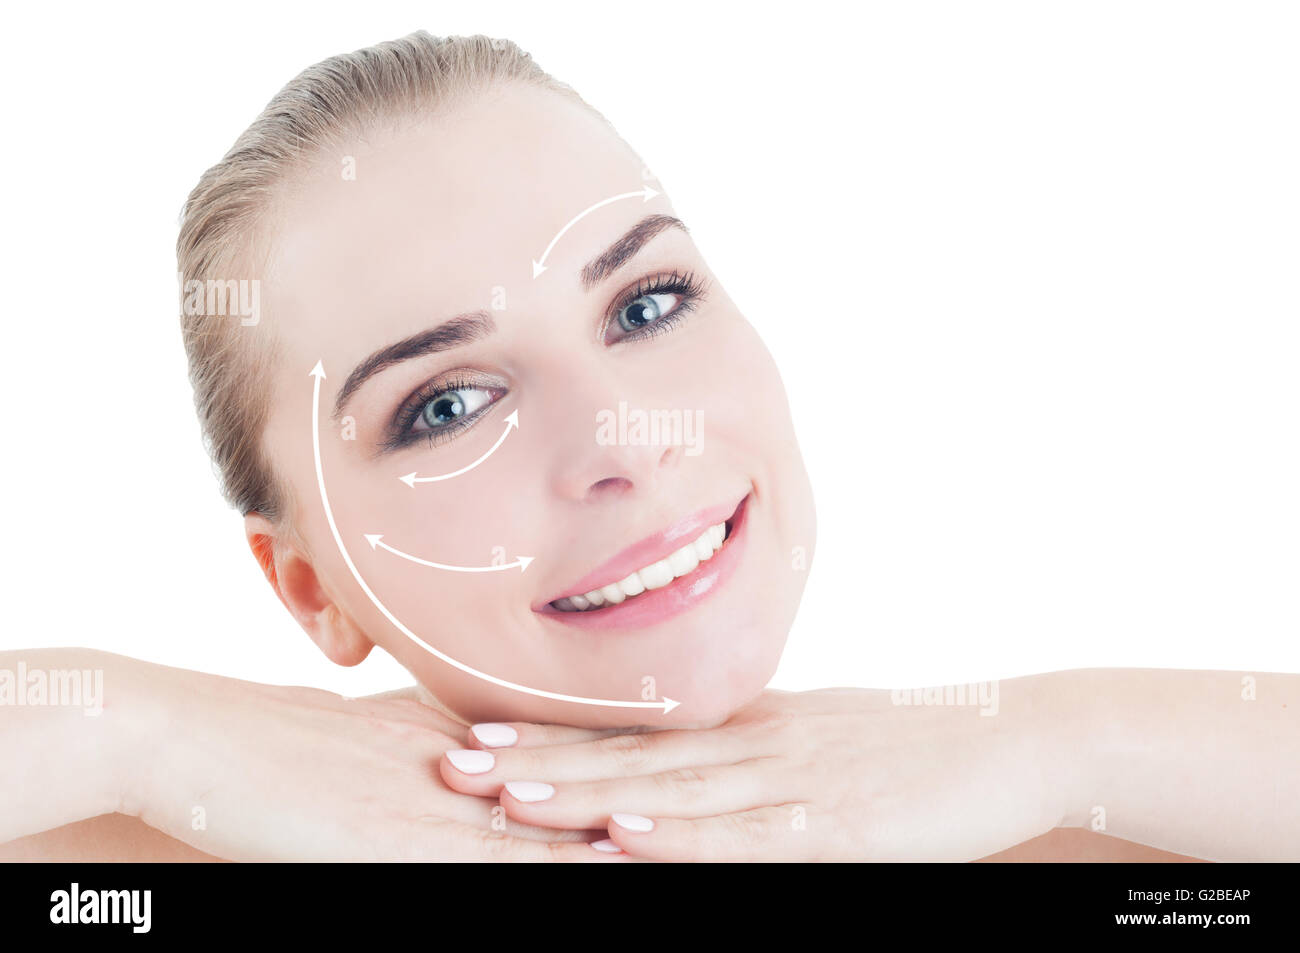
(529, 791)
(493, 735)
(606, 846)
(469, 761)
(633, 822)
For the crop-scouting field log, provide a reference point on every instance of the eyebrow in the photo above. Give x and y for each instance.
(456, 332)
(619, 253)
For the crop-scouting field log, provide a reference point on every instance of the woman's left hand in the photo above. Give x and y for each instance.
(838, 774)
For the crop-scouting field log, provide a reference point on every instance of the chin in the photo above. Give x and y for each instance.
(729, 667)
(720, 669)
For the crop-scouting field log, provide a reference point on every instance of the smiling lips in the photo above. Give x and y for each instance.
(702, 553)
(655, 576)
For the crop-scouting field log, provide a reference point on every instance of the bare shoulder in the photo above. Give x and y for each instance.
(1075, 845)
(107, 838)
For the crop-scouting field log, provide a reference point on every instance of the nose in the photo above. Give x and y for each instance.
(618, 472)
(597, 457)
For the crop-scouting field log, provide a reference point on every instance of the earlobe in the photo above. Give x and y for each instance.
(294, 579)
(338, 637)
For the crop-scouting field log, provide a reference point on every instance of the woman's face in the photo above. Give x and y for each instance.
(648, 412)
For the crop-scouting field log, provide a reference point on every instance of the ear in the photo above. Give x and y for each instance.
(293, 577)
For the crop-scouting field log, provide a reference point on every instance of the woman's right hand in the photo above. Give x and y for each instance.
(246, 771)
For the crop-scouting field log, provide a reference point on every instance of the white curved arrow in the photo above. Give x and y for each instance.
(376, 542)
(318, 372)
(539, 264)
(512, 422)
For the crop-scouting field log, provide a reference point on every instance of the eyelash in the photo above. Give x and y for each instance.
(686, 286)
(413, 407)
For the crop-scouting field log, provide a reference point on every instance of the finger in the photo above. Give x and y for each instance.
(683, 792)
(484, 814)
(498, 847)
(768, 833)
(481, 772)
(522, 734)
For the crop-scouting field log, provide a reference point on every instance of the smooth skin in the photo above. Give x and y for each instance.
(274, 773)
(1179, 760)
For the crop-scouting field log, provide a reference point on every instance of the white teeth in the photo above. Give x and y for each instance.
(655, 576)
(613, 593)
(684, 560)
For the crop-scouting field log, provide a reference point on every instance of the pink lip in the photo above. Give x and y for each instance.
(679, 595)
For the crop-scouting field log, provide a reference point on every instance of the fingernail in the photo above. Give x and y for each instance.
(606, 846)
(633, 822)
(494, 735)
(529, 791)
(469, 761)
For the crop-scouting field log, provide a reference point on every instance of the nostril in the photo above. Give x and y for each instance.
(610, 486)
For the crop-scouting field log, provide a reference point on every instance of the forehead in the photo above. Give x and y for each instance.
(459, 202)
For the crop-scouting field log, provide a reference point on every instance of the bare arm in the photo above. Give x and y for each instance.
(107, 837)
(1204, 763)
(1182, 761)
(237, 770)
(62, 759)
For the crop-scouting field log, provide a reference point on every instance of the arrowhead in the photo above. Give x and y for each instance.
(669, 704)
(374, 540)
(523, 562)
(512, 420)
(538, 268)
(409, 479)
(649, 193)
(318, 371)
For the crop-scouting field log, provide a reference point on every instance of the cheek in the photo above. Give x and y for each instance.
(464, 525)
(763, 434)
(748, 403)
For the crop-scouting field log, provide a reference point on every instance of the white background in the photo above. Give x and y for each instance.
(1029, 269)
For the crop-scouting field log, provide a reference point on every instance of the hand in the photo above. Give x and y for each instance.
(840, 774)
(258, 772)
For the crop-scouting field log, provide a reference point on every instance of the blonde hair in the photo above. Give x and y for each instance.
(224, 222)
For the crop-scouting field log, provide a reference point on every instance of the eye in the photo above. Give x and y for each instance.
(444, 409)
(646, 309)
(654, 306)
